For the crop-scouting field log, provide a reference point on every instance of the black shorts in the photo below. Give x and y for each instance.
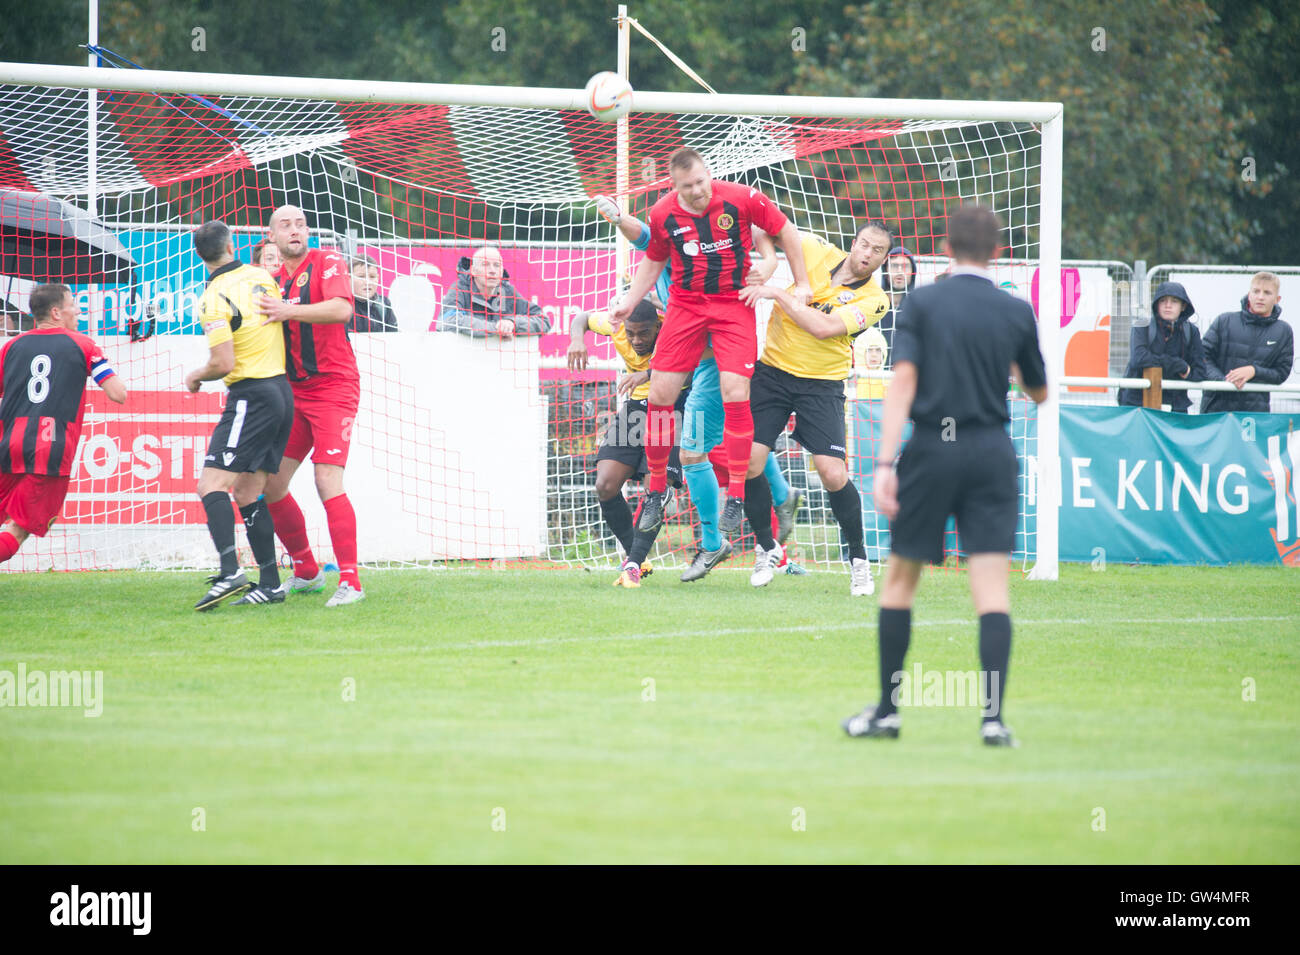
(975, 478)
(624, 442)
(254, 428)
(817, 404)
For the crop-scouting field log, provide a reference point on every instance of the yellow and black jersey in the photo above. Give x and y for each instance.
(858, 305)
(228, 311)
(598, 322)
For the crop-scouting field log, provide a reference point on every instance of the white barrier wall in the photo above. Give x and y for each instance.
(448, 458)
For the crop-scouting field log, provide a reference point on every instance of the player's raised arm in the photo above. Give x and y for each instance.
(633, 229)
(789, 239)
(647, 272)
(577, 355)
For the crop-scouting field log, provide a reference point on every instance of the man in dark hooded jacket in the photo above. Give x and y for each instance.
(1252, 344)
(1170, 342)
(483, 302)
(898, 278)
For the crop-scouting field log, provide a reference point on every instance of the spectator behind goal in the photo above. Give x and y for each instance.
(371, 312)
(1171, 342)
(1251, 344)
(483, 301)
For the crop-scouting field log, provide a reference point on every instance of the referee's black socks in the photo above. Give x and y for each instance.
(758, 508)
(261, 537)
(221, 525)
(995, 655)
(895, 630)
(846, 505)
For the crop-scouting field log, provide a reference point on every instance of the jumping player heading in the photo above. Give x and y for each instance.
(705, 226)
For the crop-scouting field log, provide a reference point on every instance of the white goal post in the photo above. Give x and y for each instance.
(390, 175)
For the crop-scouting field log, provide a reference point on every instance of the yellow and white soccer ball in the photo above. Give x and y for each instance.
(609, 96)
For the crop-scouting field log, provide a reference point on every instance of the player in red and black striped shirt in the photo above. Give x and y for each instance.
(42, 401)
(704, 226)
(322, 371)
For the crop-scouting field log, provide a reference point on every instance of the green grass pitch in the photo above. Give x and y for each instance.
(505, 716)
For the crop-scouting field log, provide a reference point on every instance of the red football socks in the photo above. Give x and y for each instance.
(738, 439)
(342, 520)
(660, 436)
(8, 546)
(291, 528)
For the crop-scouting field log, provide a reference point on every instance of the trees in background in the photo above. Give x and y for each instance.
(1180, 114)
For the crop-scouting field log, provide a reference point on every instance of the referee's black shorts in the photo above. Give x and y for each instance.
(816, 403)
(975, 478)
(254, 428)
(624, 441)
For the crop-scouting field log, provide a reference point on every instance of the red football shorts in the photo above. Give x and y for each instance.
(324, 411)
(693, 319)
(32, 501)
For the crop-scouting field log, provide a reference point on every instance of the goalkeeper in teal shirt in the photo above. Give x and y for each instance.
(703, 415)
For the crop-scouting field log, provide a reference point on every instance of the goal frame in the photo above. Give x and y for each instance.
(1047, 117)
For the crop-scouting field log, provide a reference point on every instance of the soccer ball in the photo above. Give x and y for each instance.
(609, 96)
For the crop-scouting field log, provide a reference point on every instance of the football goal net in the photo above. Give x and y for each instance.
(466, 447)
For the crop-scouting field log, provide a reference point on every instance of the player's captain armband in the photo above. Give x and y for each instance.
(100, 370)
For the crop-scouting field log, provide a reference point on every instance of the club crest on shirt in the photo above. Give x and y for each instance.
(725, 221)
(302, 280)
(845, 297)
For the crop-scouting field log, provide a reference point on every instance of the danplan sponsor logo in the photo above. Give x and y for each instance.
(704, 248)
(75, 907)
(79, 689)
(921, 687)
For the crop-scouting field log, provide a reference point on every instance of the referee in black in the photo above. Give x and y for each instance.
(956, 343)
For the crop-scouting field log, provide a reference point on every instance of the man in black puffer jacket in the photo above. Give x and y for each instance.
(1170, 342)
(1252, 344)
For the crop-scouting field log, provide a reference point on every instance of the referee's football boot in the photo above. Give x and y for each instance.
(994, 733)
(785, 515)
(223, 589)
(861, 582)
(305, 585)
(705, 560)
(629, 575)
(651, 512)
(261, 595)
(765, 564)
(866, 724)
(733, 514)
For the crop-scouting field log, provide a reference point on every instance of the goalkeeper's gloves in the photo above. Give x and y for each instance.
(608, 208)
